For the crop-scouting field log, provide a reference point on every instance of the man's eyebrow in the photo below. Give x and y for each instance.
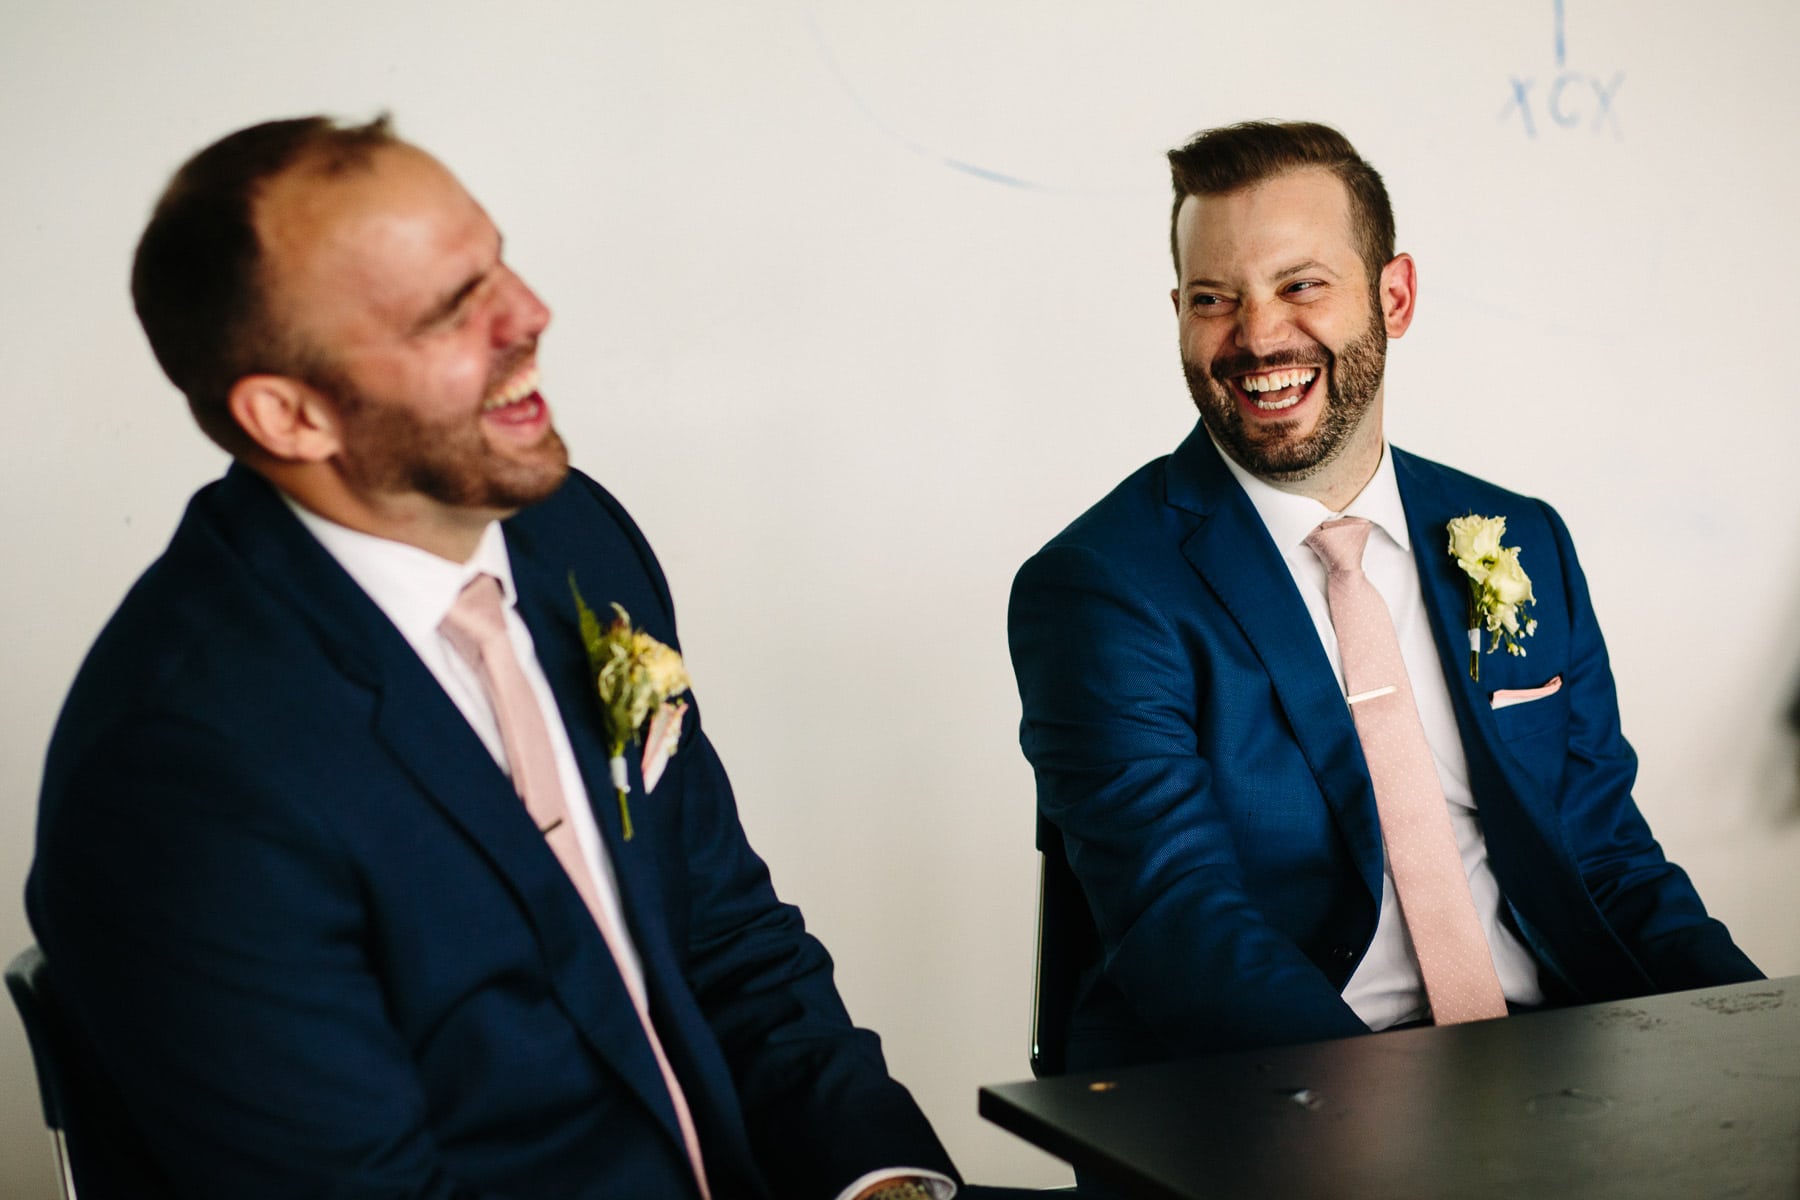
(1301, 268)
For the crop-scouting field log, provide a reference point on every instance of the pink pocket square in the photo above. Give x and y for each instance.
(1507, 697)
(661, 741)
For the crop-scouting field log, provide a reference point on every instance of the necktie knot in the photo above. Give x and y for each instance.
(476, 619)
(1339, 543)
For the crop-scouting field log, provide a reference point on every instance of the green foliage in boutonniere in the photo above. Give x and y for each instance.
(1499, 589)
(638, 679)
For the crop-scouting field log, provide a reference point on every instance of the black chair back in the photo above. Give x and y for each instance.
(97, 1149)
(26, 980)
(1067, 945)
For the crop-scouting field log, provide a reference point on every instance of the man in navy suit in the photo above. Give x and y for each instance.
(1184, 709)
(283, 879)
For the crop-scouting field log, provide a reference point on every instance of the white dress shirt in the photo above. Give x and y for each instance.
(416, 590)
(1386, 988)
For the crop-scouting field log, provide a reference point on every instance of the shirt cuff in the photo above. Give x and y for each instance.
(942, 1186)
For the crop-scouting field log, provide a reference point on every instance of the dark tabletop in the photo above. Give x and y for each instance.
(1684, 1096)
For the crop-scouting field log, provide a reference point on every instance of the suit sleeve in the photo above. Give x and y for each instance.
(1110, 692)
(1647, 900)
(248, 1036)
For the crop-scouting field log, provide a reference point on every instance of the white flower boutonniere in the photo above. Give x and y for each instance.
(639, 679)
(1499, 589)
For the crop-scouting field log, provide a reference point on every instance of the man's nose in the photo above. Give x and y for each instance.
(1262, 326)
(521, 315)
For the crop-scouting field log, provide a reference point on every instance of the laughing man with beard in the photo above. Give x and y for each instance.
(344, 877)
(1304, 800)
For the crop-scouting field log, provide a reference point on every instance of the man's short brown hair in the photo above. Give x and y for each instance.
(1217, 161)
(197, 279)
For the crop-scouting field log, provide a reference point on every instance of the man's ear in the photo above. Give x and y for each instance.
(290, 420)
(1399, 292)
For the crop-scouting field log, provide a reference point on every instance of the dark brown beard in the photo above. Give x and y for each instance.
(394, 450)
(1352, 379)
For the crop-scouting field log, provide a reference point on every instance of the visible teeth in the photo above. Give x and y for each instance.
(1276, 405)
(516, 389)
(1274, 381)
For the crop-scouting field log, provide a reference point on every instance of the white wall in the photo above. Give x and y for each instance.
(858, 303)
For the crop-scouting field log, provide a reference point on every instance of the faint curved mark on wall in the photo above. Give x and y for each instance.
(986, 174)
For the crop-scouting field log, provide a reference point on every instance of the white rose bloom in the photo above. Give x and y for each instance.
(1508, 581)
(1475, 541)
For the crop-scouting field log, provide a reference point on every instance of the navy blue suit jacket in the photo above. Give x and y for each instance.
(318, 943)
(1195, 756)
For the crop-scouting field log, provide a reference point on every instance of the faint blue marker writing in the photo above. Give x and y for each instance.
(1573, 100)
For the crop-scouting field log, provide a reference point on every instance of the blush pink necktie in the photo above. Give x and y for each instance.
(1460, 982)
(476, 627)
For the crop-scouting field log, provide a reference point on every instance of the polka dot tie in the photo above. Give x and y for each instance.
(1460, 982)
(476, 628)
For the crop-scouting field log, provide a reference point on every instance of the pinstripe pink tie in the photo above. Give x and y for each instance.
(476, 627)
(1460, 981)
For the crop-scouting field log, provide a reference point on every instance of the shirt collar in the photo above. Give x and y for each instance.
(414, 587)
(1290, 518)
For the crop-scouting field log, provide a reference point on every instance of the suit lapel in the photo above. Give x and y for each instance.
(1232, 551)
(1445, 587)
(548, 609)
(1429, 510)
(425, 732)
